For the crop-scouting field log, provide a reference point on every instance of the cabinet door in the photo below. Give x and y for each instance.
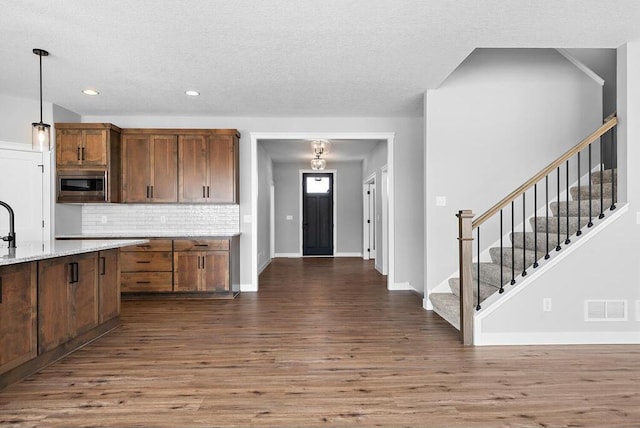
(193, 168)
(216, 271)
(84, 294)
(54, 276)
(94, 147)
(68, 147)
(164, 168)
(18, 339)
(187, 271)
(108, 285)
(136, 170)
(222, 169)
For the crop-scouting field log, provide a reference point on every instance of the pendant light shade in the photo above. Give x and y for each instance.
(41, 132)
(318, 164)
(320, 147)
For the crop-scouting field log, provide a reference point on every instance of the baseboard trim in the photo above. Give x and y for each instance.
(249, 288)
(402, 286)
(359, 255)
(264, 266)
(378, 268)
(287, 255)
(559, 338)
(426, 304)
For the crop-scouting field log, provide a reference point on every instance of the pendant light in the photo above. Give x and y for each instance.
(318, 164)
(41, 132)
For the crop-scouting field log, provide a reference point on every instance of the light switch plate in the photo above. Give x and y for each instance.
(546, 304)
(289, 217)
(441, 201)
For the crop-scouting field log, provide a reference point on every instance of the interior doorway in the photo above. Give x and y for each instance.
(369, 218)
(317, 214)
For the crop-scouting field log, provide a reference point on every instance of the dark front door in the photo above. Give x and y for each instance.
(317, 214)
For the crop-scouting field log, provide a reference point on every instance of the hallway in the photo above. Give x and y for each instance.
(323, 343)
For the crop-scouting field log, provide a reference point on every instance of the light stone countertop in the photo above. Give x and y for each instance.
(145, 234)
(31, 251)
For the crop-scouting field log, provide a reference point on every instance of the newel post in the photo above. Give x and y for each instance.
(465, 257)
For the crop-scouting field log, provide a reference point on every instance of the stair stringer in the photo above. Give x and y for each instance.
(496, 301)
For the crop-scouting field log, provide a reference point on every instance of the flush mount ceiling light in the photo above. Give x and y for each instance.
(320, 147)
(91, 92)
(41, 132)
(192, 93)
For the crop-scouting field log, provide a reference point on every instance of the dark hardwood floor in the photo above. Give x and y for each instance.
(322, 344)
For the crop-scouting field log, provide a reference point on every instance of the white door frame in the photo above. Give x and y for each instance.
(272, 221)
(367, 253)
(334, 174)
(385, 213)
(255, 136)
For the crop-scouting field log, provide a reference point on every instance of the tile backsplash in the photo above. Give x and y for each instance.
(205, 219)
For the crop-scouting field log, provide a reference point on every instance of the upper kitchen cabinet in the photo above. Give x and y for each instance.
(88, 162)
(149, 167)
(208, 167)
(86, 145)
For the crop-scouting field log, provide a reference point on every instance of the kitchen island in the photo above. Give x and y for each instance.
(55, 297)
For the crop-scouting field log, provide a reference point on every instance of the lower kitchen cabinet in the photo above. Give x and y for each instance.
(108, 284)
(67, 299)
(193, 268)
(18, 316)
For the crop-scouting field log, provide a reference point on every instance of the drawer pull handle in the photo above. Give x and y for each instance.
(202, 245)
(144, 262)
(143, 282)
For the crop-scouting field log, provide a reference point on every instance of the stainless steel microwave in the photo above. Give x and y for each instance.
(82, 186)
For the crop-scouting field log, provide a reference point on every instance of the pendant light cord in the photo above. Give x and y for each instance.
(40, 55)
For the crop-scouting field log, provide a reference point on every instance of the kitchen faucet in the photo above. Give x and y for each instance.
(11, 237)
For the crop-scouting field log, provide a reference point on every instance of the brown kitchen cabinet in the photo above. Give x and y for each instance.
(201, 265)
(149, 168)
(147, 268)
(108, 285)
(208, 168)
(67, 299)
(90, 146)
(18, 316)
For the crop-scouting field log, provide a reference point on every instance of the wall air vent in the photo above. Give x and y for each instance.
(605, 310)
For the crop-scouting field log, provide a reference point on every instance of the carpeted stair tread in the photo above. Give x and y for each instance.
(561, 209)
(518, 253)
(486, 290)
(490, 273)
(541, 224)
(529, 241)
(606, 176)
(447, 306)
(607, 191)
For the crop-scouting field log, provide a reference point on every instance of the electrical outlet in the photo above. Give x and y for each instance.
(441, 201)
(289, 217)
(546, 304)
(103, 219)
(163, 219)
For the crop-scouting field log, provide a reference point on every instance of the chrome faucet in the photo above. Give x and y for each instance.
(11, 237)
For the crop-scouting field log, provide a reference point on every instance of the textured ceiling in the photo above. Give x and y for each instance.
(277, 57)
(300, 150)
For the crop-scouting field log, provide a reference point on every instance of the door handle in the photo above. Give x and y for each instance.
(82, 157)
(203, 262)
(151, 191)
(73, 272)
(198, 262)
(78, 155)
(103, 265)
(208, 192)
(204, 191)
(147, 191)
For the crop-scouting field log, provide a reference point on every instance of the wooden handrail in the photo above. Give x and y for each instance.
(608, 118)
(546, 171)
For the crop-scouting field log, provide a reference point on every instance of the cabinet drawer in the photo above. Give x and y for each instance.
(146, 281)
(157, 261)
(201, 245)
(152, 245)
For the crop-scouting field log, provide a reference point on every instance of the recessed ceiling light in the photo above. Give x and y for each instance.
(90, 92)
(192, 93)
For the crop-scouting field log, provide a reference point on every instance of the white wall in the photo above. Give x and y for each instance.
(373, 164)
(348, 195)
(503, 115)
(265, 180)
(408, 184)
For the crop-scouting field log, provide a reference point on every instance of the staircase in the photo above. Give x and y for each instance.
(519, 254)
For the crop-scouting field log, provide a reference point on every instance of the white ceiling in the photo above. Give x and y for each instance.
(277, 57)
(300, 150)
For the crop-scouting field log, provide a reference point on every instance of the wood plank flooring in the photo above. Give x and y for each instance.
(322, 344)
